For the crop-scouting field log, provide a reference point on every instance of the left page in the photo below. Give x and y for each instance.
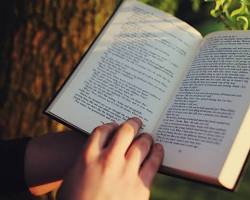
(131, 70)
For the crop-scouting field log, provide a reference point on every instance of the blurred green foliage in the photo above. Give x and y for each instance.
(170, 5)
(194, 12)
(165, 5)
(170, 188)
(234, 14)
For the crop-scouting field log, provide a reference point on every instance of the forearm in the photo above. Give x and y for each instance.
(12, 178)
(49, 157)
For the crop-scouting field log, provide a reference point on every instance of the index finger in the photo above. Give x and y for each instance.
(124, 136)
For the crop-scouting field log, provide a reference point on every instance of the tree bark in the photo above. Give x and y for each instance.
(43, 41)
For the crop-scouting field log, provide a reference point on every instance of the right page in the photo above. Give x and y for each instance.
(202, 121)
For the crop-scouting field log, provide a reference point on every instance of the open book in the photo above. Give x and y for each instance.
(192, 93)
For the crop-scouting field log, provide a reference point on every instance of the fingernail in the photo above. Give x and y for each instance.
(137, 120)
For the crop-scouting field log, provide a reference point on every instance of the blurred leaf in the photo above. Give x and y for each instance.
(233, 17)
(165, 5)
(196, 5)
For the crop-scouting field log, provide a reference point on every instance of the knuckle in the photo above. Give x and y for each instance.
(86, 157)
(126, 128)
(107, 158)
(102, 129)
(142, 144)
(111, 161)
(107, 164)
(145, 142)
(97, 130)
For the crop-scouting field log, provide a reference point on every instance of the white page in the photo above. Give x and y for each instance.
(131, 70)
(201, 123)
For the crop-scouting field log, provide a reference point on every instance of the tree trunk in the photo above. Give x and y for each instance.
(42, 42)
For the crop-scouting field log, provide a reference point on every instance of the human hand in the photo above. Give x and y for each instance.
(114, 165)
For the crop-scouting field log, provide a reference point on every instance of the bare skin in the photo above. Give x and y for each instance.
(114, 165)
(48, 158)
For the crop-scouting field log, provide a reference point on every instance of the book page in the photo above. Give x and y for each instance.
(202, 121)
(131, 70)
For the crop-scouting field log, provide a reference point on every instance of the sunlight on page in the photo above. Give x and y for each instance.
(131, 70)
